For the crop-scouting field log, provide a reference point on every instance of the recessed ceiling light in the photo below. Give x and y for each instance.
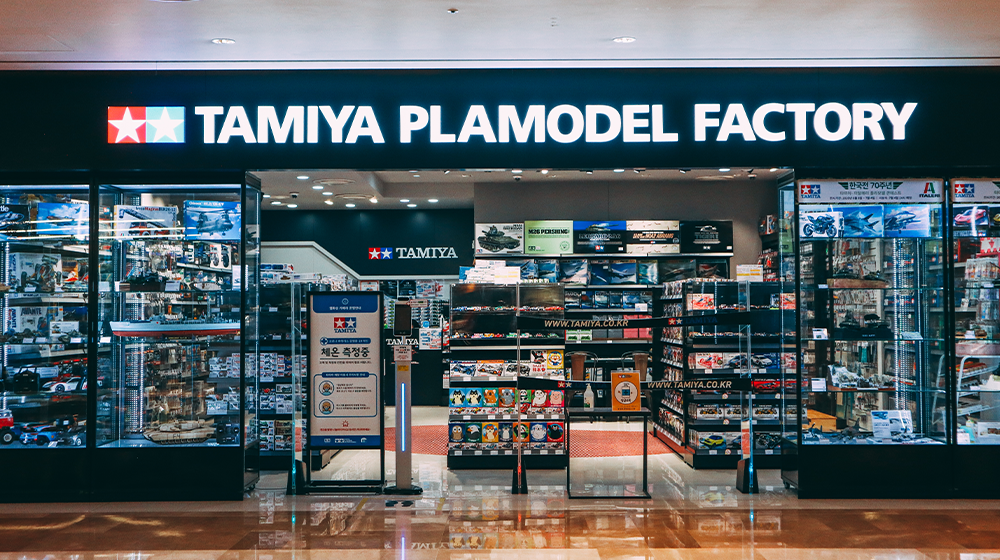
(411, 205)
(684, 170)
(224, 41)
(447, 171)
(404, 200)
(267, 196)
(302, 177)
(452, 10)
(350, 205)
(589, 172)
(275, 203)
(624, 39)
(545, 172)
(619, 171)
(373, 200)
(414, 171)
(330, 202)
(774, 170)
(724, 170)
(466, 176)
(317, 187)
(432, 200)
(327, 193)
(415, 176)
(293, 205)
(515, 171)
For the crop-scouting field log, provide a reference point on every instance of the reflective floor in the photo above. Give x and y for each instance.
(471, 515)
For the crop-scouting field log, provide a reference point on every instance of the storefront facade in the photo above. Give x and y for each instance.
(178, 134)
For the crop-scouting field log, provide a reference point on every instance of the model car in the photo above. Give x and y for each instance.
(71, 384)
(971, 216)
(41, 436)
(7, 435)
(737, 362)
(712, 441)
(761, 361)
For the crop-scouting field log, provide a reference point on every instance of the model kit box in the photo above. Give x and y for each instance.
(622, 272)
(574, 271)
(600, 272)
(34, 272)
(36, 319)
(499, 238)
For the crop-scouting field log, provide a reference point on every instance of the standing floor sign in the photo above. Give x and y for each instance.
(345, 375)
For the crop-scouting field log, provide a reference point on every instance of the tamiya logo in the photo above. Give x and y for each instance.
(379, 253)
(808, 191)
(965, 190)
(345, 324)
(145, 125)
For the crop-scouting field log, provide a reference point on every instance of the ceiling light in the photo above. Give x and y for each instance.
(330, 202)
(515, 171)
(293, 205)
(619, 171)
(452, 10)
(774, 170)
(350, 205)
(414, 171)
(411, 205)
(373, 200)
(545, 172)
(404, 200)
(447, 171)
(267, 196)
(432, 200)
(416, 176)
(327, 193)
(302, 177)
(317, 187)
(624, 39)
(275, 203)
(724, 170)
(466, 176)
(589, 172)
(224, 41)
(684, 170)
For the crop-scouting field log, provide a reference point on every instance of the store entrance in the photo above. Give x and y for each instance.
(470, 249)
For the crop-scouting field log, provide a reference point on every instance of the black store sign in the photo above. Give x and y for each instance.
(572, 118)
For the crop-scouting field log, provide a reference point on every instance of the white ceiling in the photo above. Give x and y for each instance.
(452, 188)
(148, 34)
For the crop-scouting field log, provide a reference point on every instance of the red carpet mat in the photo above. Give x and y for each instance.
(433, 440)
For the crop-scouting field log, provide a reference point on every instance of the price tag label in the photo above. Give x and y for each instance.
(768, 452)
(494, 452)
(44, 351)
(172, 287)
(272, 309)
(543, 451)
(466, 417)
(76, 340)
(29, 341)
(491, 416)
(478, 452)
(29, 289)
(713, 451)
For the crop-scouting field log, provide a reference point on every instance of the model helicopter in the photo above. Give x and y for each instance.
(213, 221)
(860, 223)
(899, 220)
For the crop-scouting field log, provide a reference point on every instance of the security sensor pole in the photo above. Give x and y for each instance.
(404, 452)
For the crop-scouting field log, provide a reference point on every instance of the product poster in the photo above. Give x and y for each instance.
(212, 220)
(625, 391)
(862, 221)
(548, 237)
(598, 237)
(907, 220)
(820, 224)
(499, 238)
(871, 191)
(971, 220)
(707, 237)
(345, 400)
(889, 423)
(652, 237)
(63, 219)
(12, 220)
(145, 221)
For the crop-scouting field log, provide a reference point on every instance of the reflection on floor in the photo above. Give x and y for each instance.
(470, 515)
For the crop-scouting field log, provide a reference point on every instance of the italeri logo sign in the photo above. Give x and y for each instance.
(809, 191)
(145, 125)
(386, 253)
(503, 124)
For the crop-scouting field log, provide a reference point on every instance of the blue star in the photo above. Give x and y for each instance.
(387, 253)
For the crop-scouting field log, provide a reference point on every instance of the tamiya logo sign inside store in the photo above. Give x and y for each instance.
(345, 324)
(145, 125)
(386, 253)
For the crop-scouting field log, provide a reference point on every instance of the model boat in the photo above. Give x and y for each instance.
(176, 433)
(163, 326)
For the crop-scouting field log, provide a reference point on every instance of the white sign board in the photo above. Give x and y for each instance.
(345, 400)
(979, 190)
(868, 191)
(749, 273)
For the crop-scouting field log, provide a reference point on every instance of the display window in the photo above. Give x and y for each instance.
(44, 273)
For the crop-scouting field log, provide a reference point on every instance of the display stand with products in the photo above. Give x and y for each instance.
(704, 427)
(872, 337)
(487, 412)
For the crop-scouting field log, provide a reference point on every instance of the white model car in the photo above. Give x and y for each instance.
(71, 384)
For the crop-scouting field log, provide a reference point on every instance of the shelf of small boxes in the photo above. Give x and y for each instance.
(714, 428)
(276, 400)
(541, 363)
(485, 421)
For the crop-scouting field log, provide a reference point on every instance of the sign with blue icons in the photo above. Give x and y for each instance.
(345, 399)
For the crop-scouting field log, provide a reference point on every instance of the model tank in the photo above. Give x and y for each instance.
(176, 433)
(495, 240)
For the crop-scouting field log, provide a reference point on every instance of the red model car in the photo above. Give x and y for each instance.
(972, 216)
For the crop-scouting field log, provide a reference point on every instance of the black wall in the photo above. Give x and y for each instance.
(349, 235)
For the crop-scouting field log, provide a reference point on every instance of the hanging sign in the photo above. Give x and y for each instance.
(982, 190)
(345, 400)
(625, 393)
(873, 190)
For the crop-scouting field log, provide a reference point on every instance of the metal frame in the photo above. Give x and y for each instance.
(644, 413)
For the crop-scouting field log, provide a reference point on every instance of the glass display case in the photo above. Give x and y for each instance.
(44, 248)
(872, 331)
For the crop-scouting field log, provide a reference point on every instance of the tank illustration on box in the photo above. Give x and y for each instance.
(495, 240)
